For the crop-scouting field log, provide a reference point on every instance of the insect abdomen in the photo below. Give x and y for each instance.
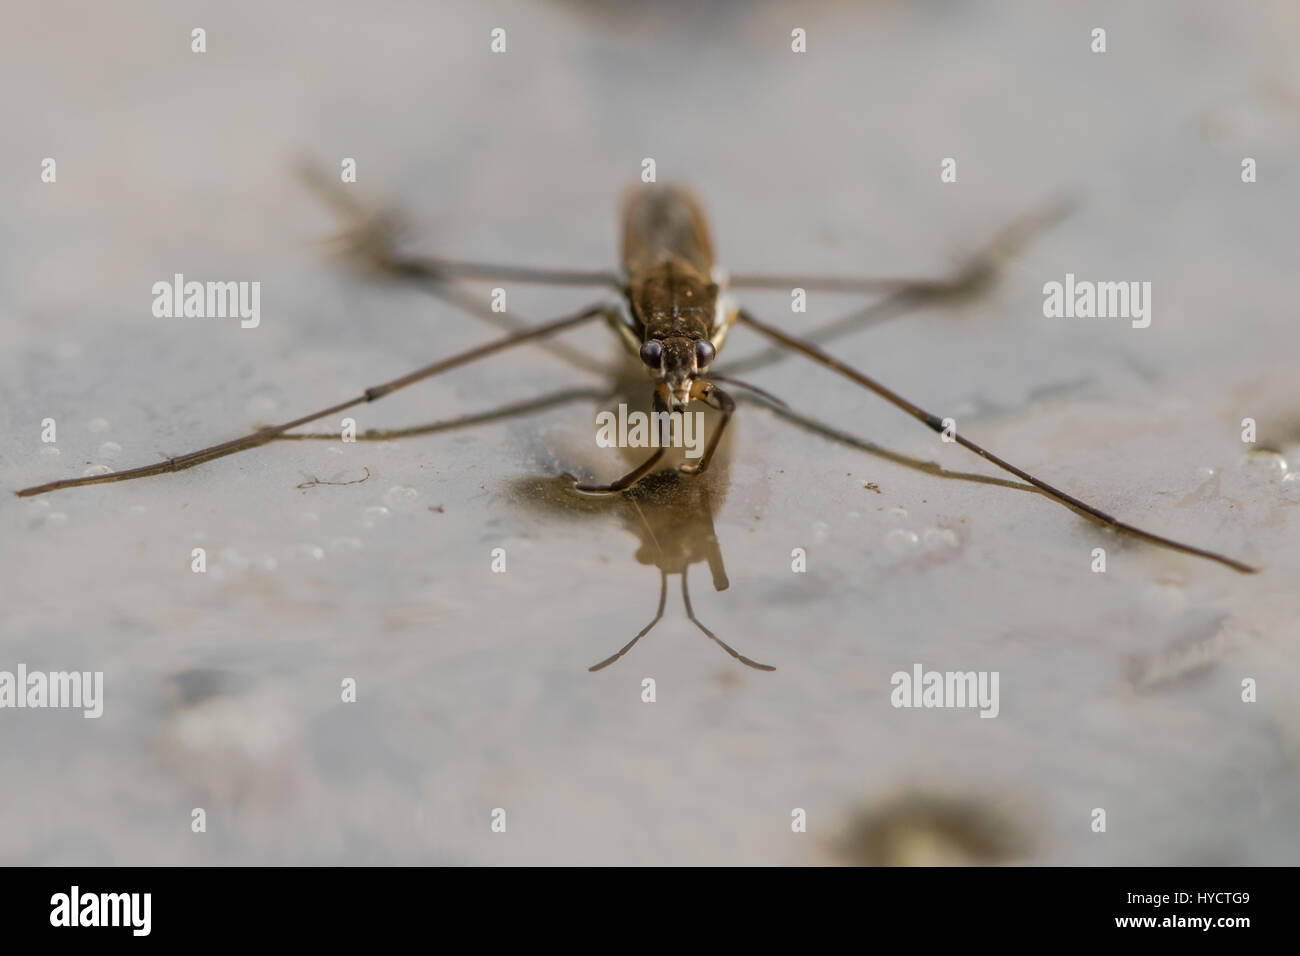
(664, 220)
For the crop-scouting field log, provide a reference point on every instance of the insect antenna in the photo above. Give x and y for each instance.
(762, 393)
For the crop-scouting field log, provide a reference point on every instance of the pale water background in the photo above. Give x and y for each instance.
(1118, 690)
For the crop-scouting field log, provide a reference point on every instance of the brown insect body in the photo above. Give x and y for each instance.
(671, 293)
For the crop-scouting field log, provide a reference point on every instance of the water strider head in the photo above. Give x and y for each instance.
(677, 361)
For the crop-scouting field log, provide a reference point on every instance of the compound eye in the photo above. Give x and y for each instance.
(651, 353)
(704, 353)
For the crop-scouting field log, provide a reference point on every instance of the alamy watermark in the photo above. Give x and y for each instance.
(62, 689)
(944, 689)
(130, 910)
(208, 300)
(646, 430)
(1085, 299)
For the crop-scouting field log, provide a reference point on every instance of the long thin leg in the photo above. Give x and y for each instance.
(877, 313)
(641, 470)
(663, 596)
(690, 613)
(432, 268)
(932, 468)
(373, 236)
(936, 424)
(264, 435)
(526, 407)
(714, 397)
(978, 269)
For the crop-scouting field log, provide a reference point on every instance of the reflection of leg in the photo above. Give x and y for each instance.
(468, 421)
(659, 613)
(714, 397)
(936, 424)
(690, 613)
(641, 470)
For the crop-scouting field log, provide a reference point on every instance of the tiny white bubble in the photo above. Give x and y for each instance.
(261, 405)
(939, 539)
(898, 514)
(820, 530)
(1268, 463)
(110, 449)
(231, 557)
(97, 470)
(900, 541)
(49, 451)
(39, 504)
(399, 495)
(56, 517)
(97, 425)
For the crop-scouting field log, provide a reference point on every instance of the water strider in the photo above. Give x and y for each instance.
(674, 313)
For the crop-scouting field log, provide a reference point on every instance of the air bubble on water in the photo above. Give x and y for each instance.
(900, 542)
(97, 425)
(96, 470)
(232, 558)
(260, 405)
(334, 450)
(898, 514)
(49, 451)
(110, 449)
(265, 562)
(820, 530)
(346, 544)
(374, 513)
(56, 517)
(39, 504)
(1165, 598)
(400, 495)
(939, 539)
(1205, 473)
(1269, 463)
(313, 551)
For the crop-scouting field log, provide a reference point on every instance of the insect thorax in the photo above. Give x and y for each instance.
(672, 299)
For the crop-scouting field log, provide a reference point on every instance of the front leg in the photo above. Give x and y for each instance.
(641, 470)
(714, 397)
